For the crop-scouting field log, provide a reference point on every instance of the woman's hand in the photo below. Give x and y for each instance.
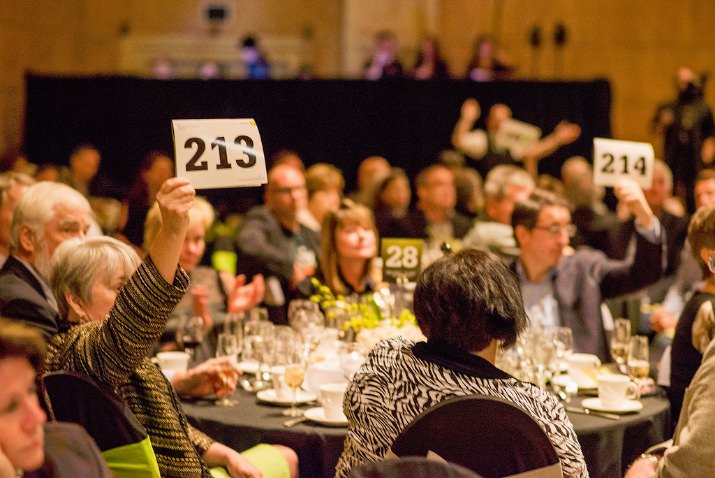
(175, 200)
(244, 296)
(237, 465)
(216, 376)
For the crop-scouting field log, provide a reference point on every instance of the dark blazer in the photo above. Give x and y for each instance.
(584, 279)
(70, 453)
(22, 298)
(265, 247)
(414, 224)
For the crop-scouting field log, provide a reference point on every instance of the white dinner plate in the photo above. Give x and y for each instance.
(317, 415)
(248, 367)
(628, 406)
(269, 396)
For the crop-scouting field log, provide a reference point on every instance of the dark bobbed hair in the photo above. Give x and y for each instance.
(526, 213)
(468, 299)
(18, 340)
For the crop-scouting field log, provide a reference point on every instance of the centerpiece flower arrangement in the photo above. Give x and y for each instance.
(371, 317)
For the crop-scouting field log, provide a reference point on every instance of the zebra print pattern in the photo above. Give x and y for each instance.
(394, 386)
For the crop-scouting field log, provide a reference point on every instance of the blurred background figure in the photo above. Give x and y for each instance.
(12, 187)
(686, 125)
(325, 185)
(384, 63)
(371, 171)
(429, 64)
(488, 61)
(392, 199)
(156, 168)
(257, 67)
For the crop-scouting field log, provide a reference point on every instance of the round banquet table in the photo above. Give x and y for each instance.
(609, 446)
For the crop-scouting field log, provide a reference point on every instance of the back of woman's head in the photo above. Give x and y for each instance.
(468, 299)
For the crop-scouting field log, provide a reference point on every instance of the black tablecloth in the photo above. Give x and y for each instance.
(609, 446)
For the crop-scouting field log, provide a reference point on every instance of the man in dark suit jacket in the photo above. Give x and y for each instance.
(434, 218)
(272, 242)
(567, 290)
(47, 215)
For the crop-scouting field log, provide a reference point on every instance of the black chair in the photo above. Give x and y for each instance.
(412, 467)
(76, 398)
(490, 436)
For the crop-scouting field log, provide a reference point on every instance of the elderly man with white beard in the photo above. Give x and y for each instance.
(48, 214)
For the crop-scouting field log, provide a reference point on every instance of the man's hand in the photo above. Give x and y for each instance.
(244, 296)
(216, 376)
(630, 193)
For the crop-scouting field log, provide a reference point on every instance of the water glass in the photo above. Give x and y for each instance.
(227, 346)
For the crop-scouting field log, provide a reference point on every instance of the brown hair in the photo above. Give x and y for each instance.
(701, 233)
(348, 212)
(18, 340)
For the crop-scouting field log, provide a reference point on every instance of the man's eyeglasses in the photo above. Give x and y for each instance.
(557, 228)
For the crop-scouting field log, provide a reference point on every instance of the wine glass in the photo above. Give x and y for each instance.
(620, 340)
(259, 343)
(227, 346)
(637, 364)
(190, 334)
(563, 340)
(350, 360)
(294, 375)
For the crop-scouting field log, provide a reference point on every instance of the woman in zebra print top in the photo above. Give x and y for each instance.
(466, 305)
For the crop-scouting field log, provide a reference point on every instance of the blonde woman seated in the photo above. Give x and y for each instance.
(114, 309)
(213, 293)
(348, 245)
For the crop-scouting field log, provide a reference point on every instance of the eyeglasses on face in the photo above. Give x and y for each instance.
(558, 228)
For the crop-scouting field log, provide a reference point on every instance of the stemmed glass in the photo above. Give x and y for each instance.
(227, 346)
(305, 317)
(638, 364)
(563, 339)
(294, 374)
(190, 334)
(259, 337)
(619, 341)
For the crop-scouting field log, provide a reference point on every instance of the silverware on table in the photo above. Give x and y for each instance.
(587, 411)
(294, 421)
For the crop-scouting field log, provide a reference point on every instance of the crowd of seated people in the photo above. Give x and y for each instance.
(555, 259)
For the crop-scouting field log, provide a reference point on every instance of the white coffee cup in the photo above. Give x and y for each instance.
(173, 362)
(278, 377)
(331, 398)
(583, 369)
(614, 390)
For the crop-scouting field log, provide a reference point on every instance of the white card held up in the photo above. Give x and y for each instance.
(516, 136)
(613, 159)
(219, 153)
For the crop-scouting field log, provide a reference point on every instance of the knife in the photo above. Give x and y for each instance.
(586, 411)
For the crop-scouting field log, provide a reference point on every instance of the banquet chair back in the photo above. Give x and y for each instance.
(412, 467)
(488, 435)
(76, 398)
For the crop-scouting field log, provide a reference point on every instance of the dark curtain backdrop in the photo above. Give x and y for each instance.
(335, 121)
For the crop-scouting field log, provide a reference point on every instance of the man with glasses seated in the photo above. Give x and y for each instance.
(272, 241)
(567, 288)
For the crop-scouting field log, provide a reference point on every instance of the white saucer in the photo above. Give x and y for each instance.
(269, 396)
(318, 415)
(627, 406)
(248, 367)
(563, 380)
